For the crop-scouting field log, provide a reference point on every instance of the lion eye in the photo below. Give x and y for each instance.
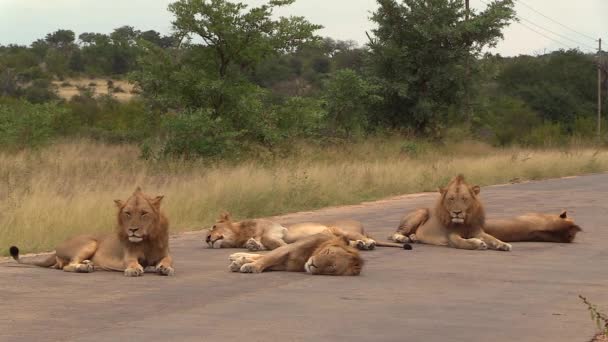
(144, 213)
(128, 214)
(451, 198)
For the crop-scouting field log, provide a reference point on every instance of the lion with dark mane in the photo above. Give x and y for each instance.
(140, 242)
(457, 220)
(326, 253)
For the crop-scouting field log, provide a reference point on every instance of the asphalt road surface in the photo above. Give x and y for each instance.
(428, 294)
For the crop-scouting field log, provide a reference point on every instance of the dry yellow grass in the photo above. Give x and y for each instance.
(53, 193)
(69, 88)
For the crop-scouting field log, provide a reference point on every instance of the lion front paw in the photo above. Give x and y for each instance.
(480, 245)
(85, 267)
(365, 245)
(398, 237)
(253, 245)
(250, 268)
(165, 270)
(134, 271)
(413, 238)
(504, 247)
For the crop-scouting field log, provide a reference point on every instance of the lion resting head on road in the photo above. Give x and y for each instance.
(254, 235)
(319, 254)
(534, 227)
(141, 240)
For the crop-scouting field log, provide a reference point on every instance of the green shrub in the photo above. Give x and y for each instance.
(194, 133)
(23, 124)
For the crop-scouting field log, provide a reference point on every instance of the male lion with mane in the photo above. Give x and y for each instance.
(260, 234)
(457, 220)
(141, 241)
(326, 253)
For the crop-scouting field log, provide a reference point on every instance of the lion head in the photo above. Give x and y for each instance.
(564, 227)
(223, 234)
(140, 218)
(334, 257)
(459, 204)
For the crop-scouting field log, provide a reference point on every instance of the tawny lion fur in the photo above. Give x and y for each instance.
(327, 253)
(457, 220)
(534, 227)
(263, 234)
(140, 241)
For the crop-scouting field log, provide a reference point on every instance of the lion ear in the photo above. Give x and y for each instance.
(156, 201)
(563, 215)
(224, 217)
(476, 189)
(442, 190)
(137, 190)
(119, 203)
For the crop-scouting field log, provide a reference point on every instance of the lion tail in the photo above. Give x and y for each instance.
(406, 246)
(48, 262)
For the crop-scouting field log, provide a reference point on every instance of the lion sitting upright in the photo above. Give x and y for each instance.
(457, 220)
(325, 253)
(141, 241)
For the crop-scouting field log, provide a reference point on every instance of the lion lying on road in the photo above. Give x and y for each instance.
(534, 227)
(262, 234)
(142, 240)
(319, 254)
(457, 220)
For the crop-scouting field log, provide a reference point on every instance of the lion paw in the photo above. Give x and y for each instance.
(250, 268)
(165, 270)
(235, 266)
(85, 267)
(253, 245)
(365, 245)
(479, 244)
(413, 238)
(134, 271)
(504, 247)
(397, 237)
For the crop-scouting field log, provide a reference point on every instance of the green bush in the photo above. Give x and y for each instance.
(195, 133)
(23, 124)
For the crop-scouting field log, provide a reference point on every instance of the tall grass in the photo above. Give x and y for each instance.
(50, 194)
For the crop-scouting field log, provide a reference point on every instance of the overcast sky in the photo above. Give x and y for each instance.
(23, 21)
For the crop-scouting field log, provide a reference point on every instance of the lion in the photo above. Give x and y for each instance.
(457, 220)
(261, 234)
(327, 253)
(534, 227)
(140, 242)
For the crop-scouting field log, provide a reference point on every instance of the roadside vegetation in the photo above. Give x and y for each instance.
(242, 110)
(54, 192)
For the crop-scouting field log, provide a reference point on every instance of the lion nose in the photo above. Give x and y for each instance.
(208, 238)
(457, 212)
(133, 230)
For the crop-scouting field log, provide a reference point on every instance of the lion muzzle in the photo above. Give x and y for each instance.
(457, 217)
(133, 237)
(310, 266)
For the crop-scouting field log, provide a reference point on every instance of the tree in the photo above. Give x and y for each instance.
(417, 56)
(348, 96)
(61, 39)
(240, 38)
